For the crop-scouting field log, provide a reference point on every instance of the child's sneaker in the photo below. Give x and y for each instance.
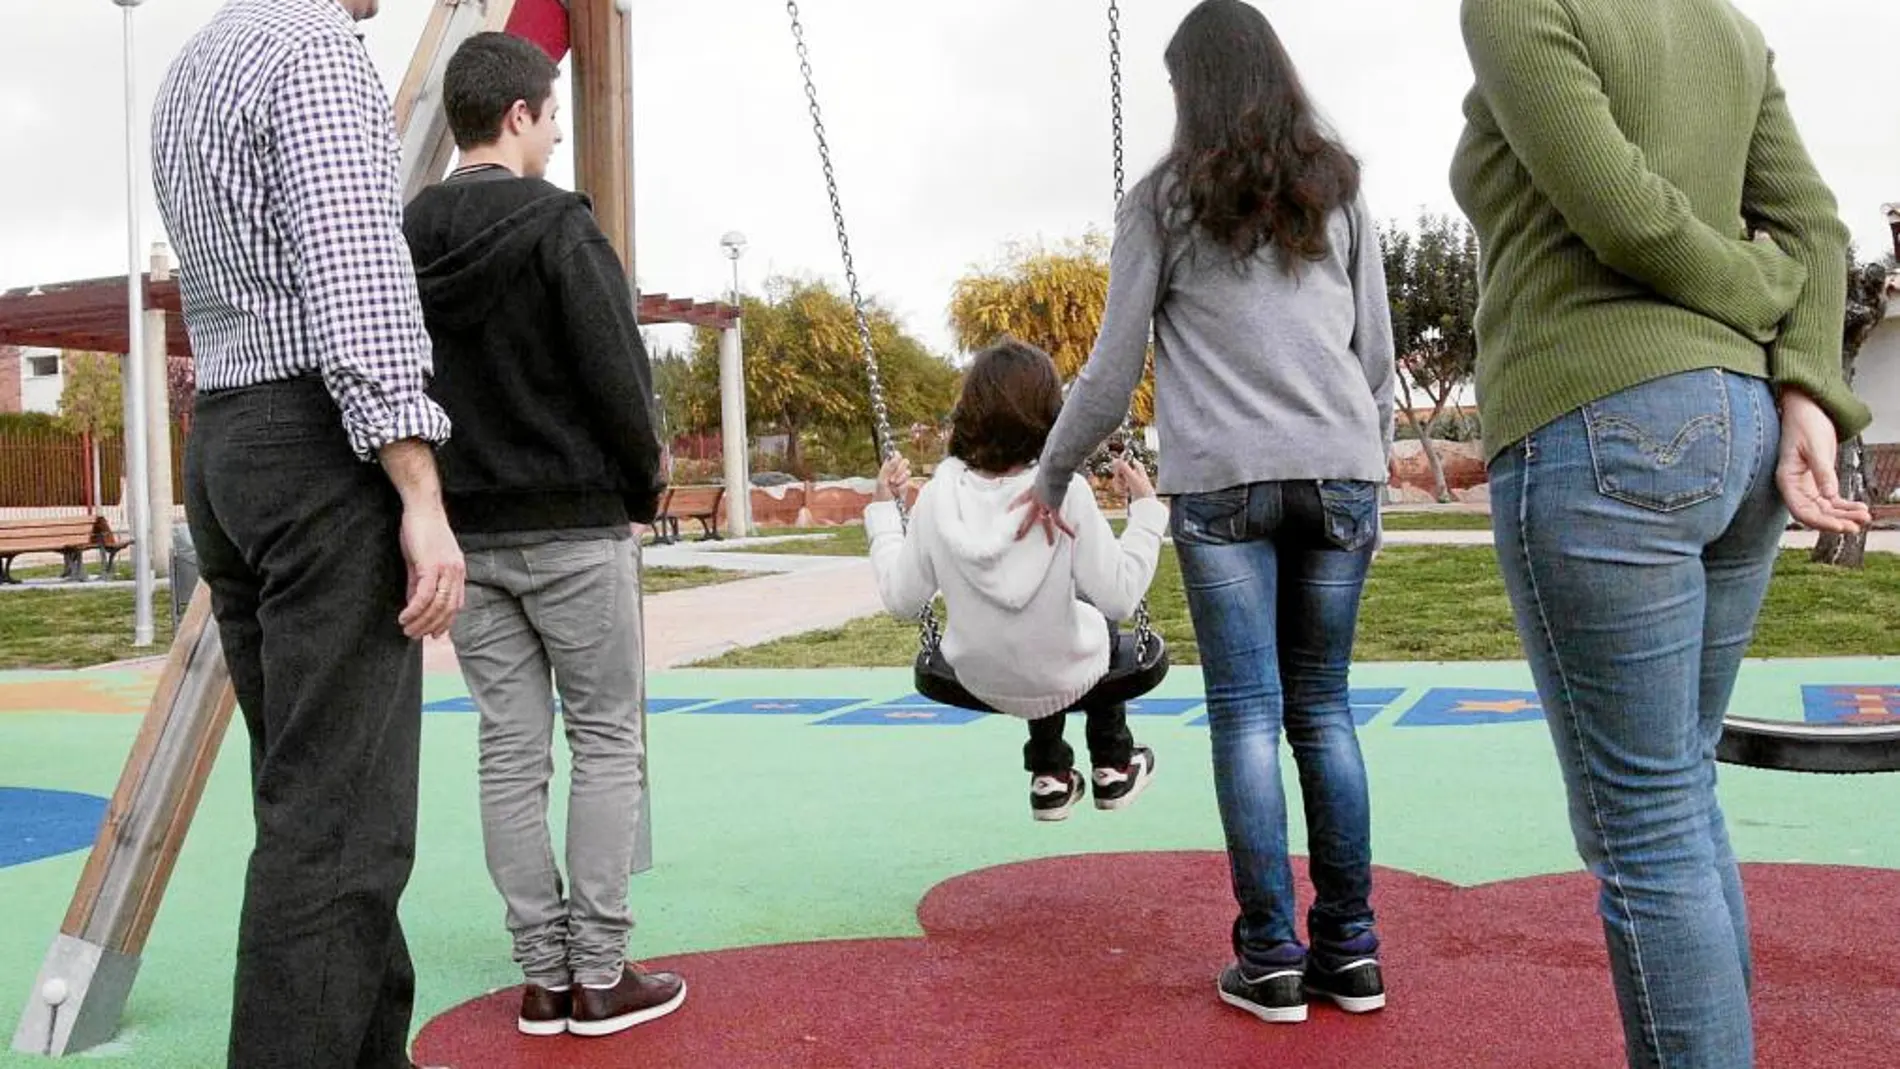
(1351, 980)
(1117, 788)
(1052, 796)
(1278, 997)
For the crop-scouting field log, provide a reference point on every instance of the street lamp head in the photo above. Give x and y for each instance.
(734, 244)
(128, 3)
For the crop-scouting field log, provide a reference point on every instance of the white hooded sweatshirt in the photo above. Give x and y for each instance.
(1019, 636)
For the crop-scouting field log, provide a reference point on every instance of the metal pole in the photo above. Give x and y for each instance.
(732, 419)
(138, 477)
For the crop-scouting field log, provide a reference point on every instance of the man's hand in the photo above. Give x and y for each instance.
(1805, 472)
(893, 480)
(436, 569)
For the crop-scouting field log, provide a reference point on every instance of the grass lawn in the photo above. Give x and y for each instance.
(664, 580)
(1438, 521)
(1435, 603)
(846, 541)
(76, 627)
(849, 540)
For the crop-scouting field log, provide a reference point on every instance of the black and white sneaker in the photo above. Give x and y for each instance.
(1356, 985)
(1052, 796)
(1279, 997)
(1117, 788)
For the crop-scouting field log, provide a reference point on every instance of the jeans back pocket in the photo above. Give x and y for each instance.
(1350, 510)
(1663, 445)
(1211, 518)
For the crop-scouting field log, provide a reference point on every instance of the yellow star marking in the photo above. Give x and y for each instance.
(1515, 705)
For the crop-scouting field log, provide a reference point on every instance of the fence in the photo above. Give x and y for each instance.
(47, 468)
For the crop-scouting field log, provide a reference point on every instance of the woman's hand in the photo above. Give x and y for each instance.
(1131, 480)
(1040, 513)
(893, 479)
(1805, 472)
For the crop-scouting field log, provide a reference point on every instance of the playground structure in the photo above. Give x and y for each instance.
(89, 970)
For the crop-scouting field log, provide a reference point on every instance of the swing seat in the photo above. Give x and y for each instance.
(1129, 676)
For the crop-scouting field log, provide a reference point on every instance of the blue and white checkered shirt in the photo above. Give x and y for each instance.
(278, 174)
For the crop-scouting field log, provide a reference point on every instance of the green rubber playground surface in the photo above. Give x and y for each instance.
(793, 806)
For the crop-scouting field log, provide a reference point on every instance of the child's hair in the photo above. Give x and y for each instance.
(1011, 398)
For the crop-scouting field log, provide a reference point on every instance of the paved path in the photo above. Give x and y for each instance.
(685, 626)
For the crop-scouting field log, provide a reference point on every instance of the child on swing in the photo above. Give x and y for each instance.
(1031, 620)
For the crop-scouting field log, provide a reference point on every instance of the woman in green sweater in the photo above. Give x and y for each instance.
(1663, 270)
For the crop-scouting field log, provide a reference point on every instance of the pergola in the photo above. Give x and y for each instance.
(91, 314)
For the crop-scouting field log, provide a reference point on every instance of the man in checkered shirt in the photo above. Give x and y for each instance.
(314, 504)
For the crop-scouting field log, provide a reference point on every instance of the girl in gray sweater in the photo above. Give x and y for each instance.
(1251, 252)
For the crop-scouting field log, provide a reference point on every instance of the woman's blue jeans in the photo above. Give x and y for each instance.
(1637, 536)
(1273, 573)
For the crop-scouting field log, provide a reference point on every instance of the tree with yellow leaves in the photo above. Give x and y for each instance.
(1051, 298)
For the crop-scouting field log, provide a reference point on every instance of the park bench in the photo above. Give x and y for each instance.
(688, 502)
(70, 538)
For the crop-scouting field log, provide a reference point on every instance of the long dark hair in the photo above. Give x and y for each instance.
(1252, 164)
(1011, 398)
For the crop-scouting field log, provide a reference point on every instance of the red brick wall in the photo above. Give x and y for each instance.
(9, 379)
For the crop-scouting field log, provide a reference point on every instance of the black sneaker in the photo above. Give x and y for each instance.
(1117, 788)
(1279, 997)
(1355, 985)
(1052, 796)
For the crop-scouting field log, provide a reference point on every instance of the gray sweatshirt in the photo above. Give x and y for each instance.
(1260, 375)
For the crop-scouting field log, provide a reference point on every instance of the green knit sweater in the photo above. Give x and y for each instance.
(1616, 154)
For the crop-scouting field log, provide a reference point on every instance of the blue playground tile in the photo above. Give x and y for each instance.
(929, 715)
(1455, 707)
(466, 704)
(1850, 704)
(1163, 706)
(36, 824)
(674, 705)
(1367, 704)
(774, 707)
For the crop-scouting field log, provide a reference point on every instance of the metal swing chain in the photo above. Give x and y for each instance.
(1115, 86)
(930, 636)
(1144, 627)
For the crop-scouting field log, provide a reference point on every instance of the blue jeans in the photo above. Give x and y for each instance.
(1637, 535)
(1273, 573)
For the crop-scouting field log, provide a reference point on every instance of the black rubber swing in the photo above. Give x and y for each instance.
(1795, 746)
(1134, 668)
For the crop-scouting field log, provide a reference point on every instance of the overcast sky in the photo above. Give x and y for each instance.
(955, 127)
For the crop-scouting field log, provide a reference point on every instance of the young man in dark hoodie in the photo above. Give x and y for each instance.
(539, 362)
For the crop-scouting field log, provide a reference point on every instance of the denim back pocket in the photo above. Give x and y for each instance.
(1212, 518)
(1663, 445)
(1350, 508)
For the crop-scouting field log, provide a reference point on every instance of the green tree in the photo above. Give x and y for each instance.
(1431, 279)
(91, 403)
(805, 374)
(1051, 298)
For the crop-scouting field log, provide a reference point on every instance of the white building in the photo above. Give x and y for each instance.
(41, 380)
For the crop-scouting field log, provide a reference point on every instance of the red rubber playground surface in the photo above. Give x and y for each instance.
(848, 877)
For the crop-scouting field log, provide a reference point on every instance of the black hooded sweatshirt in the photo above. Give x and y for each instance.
(538, 359)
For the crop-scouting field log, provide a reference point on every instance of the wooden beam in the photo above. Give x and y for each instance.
(427, 144)
(603, 120)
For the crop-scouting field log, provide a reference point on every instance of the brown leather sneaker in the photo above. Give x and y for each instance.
(543, 1010)
(638, 998)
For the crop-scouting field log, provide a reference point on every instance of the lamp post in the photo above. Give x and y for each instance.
(138, 478)
(732, 405)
